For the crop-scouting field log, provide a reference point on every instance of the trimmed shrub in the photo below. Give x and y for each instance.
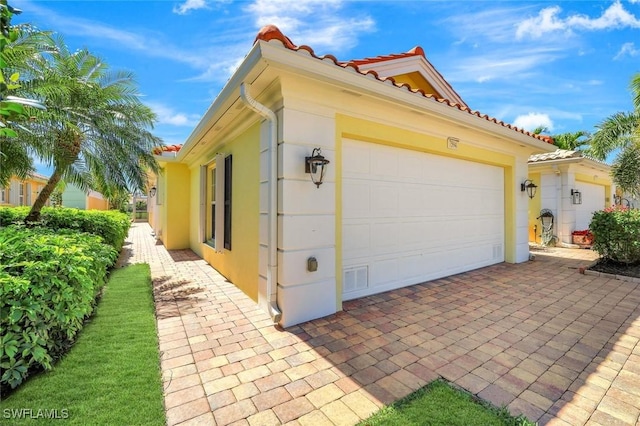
(111, 225)
(49, 280)
(616, 232)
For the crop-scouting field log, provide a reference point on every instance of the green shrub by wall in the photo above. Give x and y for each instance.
(49, 280)
(616, 232)
(111, 225)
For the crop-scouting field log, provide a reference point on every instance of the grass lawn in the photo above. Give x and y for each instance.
(438, 403)
(111, 376)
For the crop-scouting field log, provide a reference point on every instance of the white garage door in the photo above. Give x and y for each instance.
(410, 217)
(592, 201)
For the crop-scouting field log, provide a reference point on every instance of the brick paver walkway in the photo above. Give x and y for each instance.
(538, 337)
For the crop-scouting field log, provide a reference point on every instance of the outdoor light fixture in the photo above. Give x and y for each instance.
(152, 191)
(530, 187)
(315, 165)
(576, 196)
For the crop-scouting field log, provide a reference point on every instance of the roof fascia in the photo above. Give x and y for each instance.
(226, 98)
(300, 61)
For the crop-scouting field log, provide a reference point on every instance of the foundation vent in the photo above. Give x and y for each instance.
(356, 278)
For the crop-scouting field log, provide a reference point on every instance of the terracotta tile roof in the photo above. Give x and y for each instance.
(39, 176)
(559, 154)
(416, 51)
(160, 150)
(271, 32)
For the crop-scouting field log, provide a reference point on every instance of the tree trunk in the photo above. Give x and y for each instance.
(43, 196)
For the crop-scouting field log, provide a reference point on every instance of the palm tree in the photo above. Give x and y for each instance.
(572, 140)
(621, 131)
(18, 44)
(95, 130)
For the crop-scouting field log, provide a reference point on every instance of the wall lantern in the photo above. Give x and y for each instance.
(315, 165)
(576, 196)
(530, 187)
(152, 191)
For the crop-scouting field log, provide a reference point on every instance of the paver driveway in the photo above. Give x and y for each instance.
(539, 337)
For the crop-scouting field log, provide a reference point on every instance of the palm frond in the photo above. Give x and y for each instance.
(617, 131)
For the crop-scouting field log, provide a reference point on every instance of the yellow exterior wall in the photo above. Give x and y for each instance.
(535, 205)
(95, 203)
(416, 81)
(364, 130)
(240, 264)
(175, 221)
(36, 184)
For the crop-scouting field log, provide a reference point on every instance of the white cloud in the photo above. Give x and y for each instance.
(190, 5)
(627, 49)
(321, 24)
(501, 64)
(166, 115)
(532, 120)
(548, 20)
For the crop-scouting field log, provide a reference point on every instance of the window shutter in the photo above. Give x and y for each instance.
(14, 193)
(227, 202)
(219, 217)
(28, 194)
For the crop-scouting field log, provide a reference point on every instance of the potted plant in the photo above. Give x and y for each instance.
(583, 238)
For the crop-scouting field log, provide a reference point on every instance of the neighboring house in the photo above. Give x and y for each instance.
(572, 186)
(22, 192)
(74, 197)
(418, 187)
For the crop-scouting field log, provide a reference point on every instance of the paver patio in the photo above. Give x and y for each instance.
(541, 338)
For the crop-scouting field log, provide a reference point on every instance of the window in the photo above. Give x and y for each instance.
(216, 205)
(21, 199)
(210, 197)
(3, 195)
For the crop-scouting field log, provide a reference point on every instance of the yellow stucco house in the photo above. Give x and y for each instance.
(572, 187)
(22, 192)
(417, 186)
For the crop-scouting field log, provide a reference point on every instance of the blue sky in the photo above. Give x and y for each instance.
(560, 64)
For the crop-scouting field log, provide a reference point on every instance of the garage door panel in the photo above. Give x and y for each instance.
(384, 272)
(427, 217)
(356, 242)
(356, 199)
(592, 201)
(384, 201)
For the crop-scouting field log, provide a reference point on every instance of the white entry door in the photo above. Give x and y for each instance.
(410, 217)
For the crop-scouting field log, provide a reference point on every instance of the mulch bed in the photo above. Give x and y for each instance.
(611, 267)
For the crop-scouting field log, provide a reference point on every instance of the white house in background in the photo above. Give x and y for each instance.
(572, 186)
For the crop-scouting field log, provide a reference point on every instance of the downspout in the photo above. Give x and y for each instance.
(272, 267)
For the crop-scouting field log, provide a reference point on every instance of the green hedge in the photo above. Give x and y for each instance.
(50, 275)
(49, 280)
(616, 232)
(111, 225)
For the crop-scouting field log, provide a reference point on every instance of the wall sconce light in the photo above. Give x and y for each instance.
(576, 196)
(530, 187)
(152, 191)
(315, 165)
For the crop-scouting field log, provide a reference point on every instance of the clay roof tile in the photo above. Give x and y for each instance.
(271, 32)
